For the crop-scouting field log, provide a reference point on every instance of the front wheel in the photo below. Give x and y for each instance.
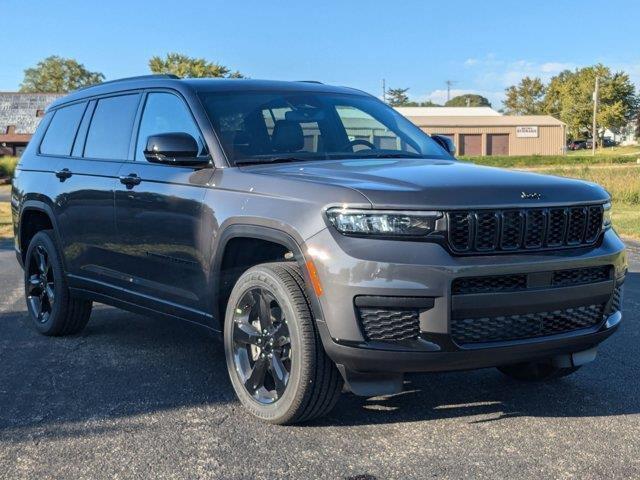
(276, 362)
(536, 371)
(52, 308)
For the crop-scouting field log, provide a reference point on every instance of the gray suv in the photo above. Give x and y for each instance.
(330, 241)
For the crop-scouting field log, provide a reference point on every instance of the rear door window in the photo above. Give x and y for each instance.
(109, 135)
(59, 137)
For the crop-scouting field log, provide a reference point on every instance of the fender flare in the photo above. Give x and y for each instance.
(39, 206)
(262, 233)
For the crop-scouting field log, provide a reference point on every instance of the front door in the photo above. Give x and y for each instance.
(158, 216)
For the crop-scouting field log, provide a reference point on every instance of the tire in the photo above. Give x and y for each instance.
(536, 371)
(51, 307)
(299, 381)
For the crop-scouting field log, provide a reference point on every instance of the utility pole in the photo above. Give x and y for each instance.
(449, 85)
(384, 91)
(594, 132)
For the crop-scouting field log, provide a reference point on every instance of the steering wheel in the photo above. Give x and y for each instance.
(360, 141)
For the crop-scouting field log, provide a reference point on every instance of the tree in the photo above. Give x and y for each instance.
(426, 103)
(58, 75)
(189, 67)
(526, 98)
(468, 100)
(397, 97)
(569, 97)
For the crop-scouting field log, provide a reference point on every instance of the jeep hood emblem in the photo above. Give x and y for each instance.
(530, 196)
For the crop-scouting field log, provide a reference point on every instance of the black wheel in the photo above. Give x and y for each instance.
(277, 365)
(536, 371)
(50, 305)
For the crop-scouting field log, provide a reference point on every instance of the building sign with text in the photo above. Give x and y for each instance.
(527, 132)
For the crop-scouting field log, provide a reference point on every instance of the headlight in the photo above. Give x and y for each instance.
(606, 216)
(387, 223)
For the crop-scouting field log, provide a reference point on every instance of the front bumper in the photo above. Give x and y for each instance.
(349, 268)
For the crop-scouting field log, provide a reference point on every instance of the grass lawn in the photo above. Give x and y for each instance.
(6, 229)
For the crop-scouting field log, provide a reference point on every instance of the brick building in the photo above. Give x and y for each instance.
(20, 114)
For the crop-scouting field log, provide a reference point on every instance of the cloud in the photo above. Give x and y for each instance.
(556, 67)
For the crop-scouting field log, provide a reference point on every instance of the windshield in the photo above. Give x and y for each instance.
(262, 127)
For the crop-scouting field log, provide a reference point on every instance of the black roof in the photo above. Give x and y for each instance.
(199, 85)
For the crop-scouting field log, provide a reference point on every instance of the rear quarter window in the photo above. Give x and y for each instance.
(59, 137)
(109, 134)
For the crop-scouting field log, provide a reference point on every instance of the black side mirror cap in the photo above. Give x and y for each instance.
(446, 143)
(174, 148)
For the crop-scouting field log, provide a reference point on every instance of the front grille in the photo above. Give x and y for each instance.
(530, 325)
(520, 281)
(581, 276)
(495, 231)
(380, 324)
(494, 283)
(616, 301)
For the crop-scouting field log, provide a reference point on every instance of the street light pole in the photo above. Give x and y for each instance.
(594, 131)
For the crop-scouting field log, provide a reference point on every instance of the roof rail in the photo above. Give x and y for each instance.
(139, 77)
(310, 81)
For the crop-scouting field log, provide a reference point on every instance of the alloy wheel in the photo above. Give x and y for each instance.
(40, 285)
(261, 345)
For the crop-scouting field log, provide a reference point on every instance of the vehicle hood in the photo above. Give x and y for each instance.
(423, 183)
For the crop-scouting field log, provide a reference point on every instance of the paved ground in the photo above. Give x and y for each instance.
(140, 397)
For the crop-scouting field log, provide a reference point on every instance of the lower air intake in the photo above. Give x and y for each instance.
(389, 325)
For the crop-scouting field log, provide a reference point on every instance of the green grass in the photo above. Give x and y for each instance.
(630, 150)
(7, 166)
(552, 160)
(6, 228)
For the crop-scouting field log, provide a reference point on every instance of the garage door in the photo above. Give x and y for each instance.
(498, 144)
(471, 144)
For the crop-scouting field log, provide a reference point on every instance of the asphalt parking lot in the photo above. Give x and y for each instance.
(138, 397)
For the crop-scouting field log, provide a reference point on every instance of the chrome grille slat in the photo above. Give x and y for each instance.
(526, 229)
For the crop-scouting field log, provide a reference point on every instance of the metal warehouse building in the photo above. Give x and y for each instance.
(482, 131)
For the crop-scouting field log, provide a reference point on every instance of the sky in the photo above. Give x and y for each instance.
(483, 46)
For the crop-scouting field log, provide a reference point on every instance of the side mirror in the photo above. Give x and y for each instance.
(175, 148)
(446, 143)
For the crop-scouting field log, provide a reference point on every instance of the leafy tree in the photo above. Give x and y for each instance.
(397, 97)
(468, 100)
(189, 67)
(526, 98)
(427, 103)
(570, 98)
(58, 75)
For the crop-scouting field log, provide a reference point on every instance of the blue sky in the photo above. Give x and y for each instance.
(483, 46)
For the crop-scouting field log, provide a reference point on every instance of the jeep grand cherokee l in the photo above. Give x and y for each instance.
(329, 240)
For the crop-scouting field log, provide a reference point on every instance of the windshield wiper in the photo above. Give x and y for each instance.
(258, 161)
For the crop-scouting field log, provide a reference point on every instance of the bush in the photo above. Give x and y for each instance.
(7, 166)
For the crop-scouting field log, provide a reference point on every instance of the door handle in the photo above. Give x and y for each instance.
(63, 174)
(130, 180)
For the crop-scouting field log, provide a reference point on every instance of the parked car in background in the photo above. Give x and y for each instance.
(326, 238)
(577, 145)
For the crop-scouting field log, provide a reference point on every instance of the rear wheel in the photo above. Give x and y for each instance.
(276, 362)
(51, 307)
(536, 371)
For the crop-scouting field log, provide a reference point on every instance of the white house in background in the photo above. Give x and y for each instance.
(626, 136)
(448, 112)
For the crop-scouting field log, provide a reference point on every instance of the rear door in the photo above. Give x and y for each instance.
(160, 239)
(87, 176)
